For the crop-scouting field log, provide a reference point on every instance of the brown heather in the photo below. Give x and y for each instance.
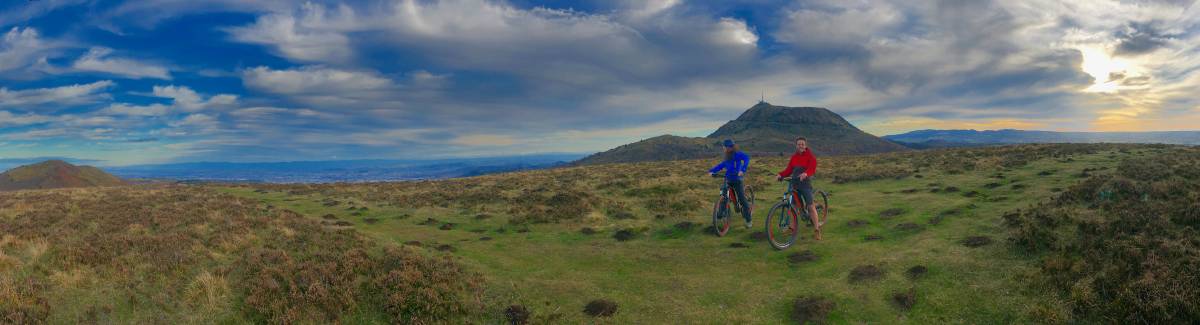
(186, 255)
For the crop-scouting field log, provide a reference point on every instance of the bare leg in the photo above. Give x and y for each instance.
(812, 214)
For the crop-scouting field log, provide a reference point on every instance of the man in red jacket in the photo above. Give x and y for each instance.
(803, 165)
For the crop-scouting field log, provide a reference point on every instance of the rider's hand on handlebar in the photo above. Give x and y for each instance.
(740, 174)
(778, 178)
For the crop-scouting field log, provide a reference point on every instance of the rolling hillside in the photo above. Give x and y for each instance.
(762, 129)
(55, 174)
(994, 235)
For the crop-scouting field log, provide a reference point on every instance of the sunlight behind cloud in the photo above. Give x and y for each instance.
(1105, 69)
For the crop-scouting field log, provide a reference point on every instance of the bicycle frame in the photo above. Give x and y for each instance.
(795, 202)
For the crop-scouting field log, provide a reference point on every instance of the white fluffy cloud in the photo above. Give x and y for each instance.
(99, 59)
(8, 119)
(37, 98)
(22, 48)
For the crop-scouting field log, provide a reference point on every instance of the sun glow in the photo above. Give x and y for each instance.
(1106, 70)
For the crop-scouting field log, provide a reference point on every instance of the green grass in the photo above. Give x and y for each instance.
(691, 277)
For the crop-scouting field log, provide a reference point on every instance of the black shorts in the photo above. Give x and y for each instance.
(806, 191)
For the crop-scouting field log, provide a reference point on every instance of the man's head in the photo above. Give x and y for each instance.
(730, 146)
(801, 144)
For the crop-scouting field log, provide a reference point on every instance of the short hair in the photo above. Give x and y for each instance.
(800, 138)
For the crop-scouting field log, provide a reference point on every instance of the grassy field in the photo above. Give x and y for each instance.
(547, 241)
(673, 271)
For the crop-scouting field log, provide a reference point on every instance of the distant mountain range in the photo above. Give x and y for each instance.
(55, 174)
(762, 129)
(341, 170)
(956, 138)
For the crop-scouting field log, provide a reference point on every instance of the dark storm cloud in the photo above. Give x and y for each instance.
(1140, 38)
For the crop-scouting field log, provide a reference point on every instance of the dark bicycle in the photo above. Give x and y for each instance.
(784, 217)
(728, 200)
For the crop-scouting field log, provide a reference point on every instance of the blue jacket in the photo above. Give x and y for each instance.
(739, 163)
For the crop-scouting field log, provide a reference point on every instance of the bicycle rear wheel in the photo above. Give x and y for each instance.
(721, 217)
(781, 226)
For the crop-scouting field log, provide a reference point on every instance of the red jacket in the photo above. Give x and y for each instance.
(803, 159)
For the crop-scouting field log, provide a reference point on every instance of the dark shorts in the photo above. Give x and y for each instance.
(805, 189)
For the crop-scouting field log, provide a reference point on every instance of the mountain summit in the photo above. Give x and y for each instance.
(55, 174)
(762, 129)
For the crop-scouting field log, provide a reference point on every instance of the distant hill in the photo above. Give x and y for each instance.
(342, 170)
(956, 138)
(55, 174)
(763, 129)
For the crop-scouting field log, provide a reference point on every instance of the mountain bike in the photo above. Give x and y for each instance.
(728, 200)
(784, 218)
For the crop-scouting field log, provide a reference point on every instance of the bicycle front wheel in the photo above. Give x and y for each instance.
(781, 226)
(721, 217)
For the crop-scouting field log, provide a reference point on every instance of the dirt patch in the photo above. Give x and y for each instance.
(485, 216)
(908, 226)
(1019, 186)
(991, 185)
(906, 299)
(951, 189)
(329, 217)
(624, 235)
(916, 272)
(890, 213)
(1046, 173)
(517, 315)
(873, 237)
(738, 245)
(909, 191)
(856, 223)
(621, 215)
(971, 194)
(343, 223)
(485, 238)
(600, 308)
(686, 226)
(935, 190)
(412, 243)
(371, 221)
(522, 230)
(758, 235)
(587, 231)
(330, 203)
(429, 222)
(446, 248)
(811, 309)
(936, 219)
(865, 273)
(977, 241)
(447, 226)
(802, 257)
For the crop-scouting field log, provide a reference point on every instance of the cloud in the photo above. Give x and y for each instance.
(8, 119)
(1140, 38)
(187, 100)
(56, 97)
(97, 59)
(310, 38)
(23, 48)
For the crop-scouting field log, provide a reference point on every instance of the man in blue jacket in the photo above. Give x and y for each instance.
(735, 165)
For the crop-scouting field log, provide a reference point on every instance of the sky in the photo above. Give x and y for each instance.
(155, 81)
